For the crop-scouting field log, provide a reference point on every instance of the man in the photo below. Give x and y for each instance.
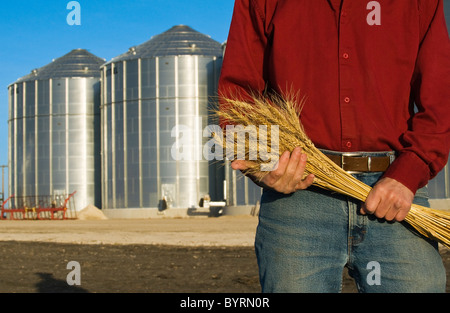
(376, 76)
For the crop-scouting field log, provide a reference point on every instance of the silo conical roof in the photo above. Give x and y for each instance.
(179, 40)
(76, 63)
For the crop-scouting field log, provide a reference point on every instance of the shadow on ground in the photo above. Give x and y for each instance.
(48, 284)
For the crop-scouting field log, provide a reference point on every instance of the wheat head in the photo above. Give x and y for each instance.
(284, 111)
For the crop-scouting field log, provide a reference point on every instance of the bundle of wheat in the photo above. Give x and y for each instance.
(284, 112)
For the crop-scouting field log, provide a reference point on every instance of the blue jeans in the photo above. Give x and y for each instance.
(305, 239)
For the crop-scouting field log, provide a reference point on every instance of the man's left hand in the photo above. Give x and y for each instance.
(388, 199)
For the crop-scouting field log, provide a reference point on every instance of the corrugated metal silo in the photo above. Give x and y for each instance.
(148, 95)
(54, 129)
(439, 187)
(242, 194)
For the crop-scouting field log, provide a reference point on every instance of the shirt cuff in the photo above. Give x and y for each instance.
(410, 170)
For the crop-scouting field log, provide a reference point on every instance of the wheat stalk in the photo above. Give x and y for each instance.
(284, 111)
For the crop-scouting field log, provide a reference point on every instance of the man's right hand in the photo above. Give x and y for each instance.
(287, 177)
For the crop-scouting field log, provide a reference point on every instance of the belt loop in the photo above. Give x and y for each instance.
(392, 157)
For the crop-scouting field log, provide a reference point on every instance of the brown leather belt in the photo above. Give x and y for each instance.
(360, 163)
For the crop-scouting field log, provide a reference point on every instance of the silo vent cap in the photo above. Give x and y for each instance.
(132, 50)
(76, 63)
(178, 40)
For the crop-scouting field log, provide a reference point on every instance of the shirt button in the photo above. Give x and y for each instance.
(345, 56)
(347, 100)
(348, 144)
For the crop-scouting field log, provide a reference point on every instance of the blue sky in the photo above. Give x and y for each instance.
(35, 32)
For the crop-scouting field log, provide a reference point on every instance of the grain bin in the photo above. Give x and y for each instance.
(439, 187)
(54, 130)
(149, 94)
(242, 194)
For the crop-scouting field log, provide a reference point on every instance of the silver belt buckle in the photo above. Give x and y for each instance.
(356, 154)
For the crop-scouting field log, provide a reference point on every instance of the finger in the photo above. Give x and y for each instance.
(300, 182)
(388, 213)
(242, 165)
(292, 177)
(307, 182)
(401, 215)
(274, 176)
(239, 165)
(383, 208)
(390, 206)
(301, 166)
(401, 211)
(371, 203)
(284, 184)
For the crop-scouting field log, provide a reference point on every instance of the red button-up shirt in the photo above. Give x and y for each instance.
(361, 65)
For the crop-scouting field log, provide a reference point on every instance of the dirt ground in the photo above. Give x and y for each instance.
(213, 255)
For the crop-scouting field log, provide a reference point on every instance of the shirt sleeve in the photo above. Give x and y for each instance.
(427, 141)
(243, 65)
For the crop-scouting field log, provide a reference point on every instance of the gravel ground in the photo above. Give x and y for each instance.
(156, 256)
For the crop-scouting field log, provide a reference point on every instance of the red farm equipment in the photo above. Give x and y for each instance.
(56, 207)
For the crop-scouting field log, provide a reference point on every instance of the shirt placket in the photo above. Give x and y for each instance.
(347, 101)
